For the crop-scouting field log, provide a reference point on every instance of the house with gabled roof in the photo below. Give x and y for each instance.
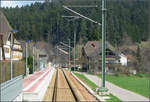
(5, 32)
(91, 55)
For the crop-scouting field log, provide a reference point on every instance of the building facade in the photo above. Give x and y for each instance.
(91, 56)
(5, 32)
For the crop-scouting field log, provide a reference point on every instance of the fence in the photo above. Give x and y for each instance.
(18, 69)
(9, 90)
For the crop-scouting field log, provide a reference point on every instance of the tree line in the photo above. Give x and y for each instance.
(44, 21)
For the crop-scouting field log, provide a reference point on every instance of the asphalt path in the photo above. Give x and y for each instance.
(122, 94)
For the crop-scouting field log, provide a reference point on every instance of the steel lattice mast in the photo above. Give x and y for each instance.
(102, 88)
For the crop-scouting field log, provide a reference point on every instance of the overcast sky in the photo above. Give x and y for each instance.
(14, 3)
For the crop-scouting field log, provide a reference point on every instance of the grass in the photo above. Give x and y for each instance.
(133, 83)
(93, 86)
(112, 98)
(144, 44)
(87, 81)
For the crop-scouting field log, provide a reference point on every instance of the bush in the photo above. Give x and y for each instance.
(141, 75)
(30, 63)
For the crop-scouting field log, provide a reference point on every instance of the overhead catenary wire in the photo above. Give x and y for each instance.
(81, 15)
(83, 6)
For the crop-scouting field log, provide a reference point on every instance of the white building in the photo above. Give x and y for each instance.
(123, 60)
(5, 30)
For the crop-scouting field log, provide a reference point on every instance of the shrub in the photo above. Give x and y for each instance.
(141, 75)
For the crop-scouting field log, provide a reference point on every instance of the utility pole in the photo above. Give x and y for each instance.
(57, 54)
(75, 17)
(11, 56)
(74, 49)
(102, 88)
(33, 59)
(37, 59)
(11, 52)
(27, 56)
(69, 55)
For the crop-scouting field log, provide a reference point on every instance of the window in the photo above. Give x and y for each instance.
(93, 45)
(6, 50)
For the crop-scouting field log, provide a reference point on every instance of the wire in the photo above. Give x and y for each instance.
(81, 15)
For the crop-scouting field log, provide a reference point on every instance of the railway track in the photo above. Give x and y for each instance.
(64, 87)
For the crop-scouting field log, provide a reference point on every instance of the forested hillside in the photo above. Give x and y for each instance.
(43, 21)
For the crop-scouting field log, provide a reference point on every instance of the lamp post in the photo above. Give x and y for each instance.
(11, 51)
(33, 58)
(27, 55)
(37, 58)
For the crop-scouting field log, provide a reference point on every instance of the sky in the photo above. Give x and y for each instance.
(20, 3)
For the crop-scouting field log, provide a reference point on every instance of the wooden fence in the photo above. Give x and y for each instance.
(18, 69)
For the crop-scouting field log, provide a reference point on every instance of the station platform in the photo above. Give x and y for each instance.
(34, 86)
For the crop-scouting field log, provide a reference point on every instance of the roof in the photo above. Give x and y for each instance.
(41, 45)
(5, 27)
(17, 42)
(128, 51)
(43, 52)
(93, 48)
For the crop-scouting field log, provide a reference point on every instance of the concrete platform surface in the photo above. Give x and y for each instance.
(35, 85)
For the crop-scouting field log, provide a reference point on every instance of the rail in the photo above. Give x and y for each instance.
(56, 88)
(75, 96)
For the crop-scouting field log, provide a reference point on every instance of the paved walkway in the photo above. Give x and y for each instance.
(31, 82)
(35, 85)
(121, 93)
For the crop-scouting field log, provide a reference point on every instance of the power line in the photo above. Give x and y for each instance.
(81, 15)
(83, 6)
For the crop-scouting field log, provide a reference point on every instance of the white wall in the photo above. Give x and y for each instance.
(123, 59)
(17, 47)
(7, 54)
(16, 54)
